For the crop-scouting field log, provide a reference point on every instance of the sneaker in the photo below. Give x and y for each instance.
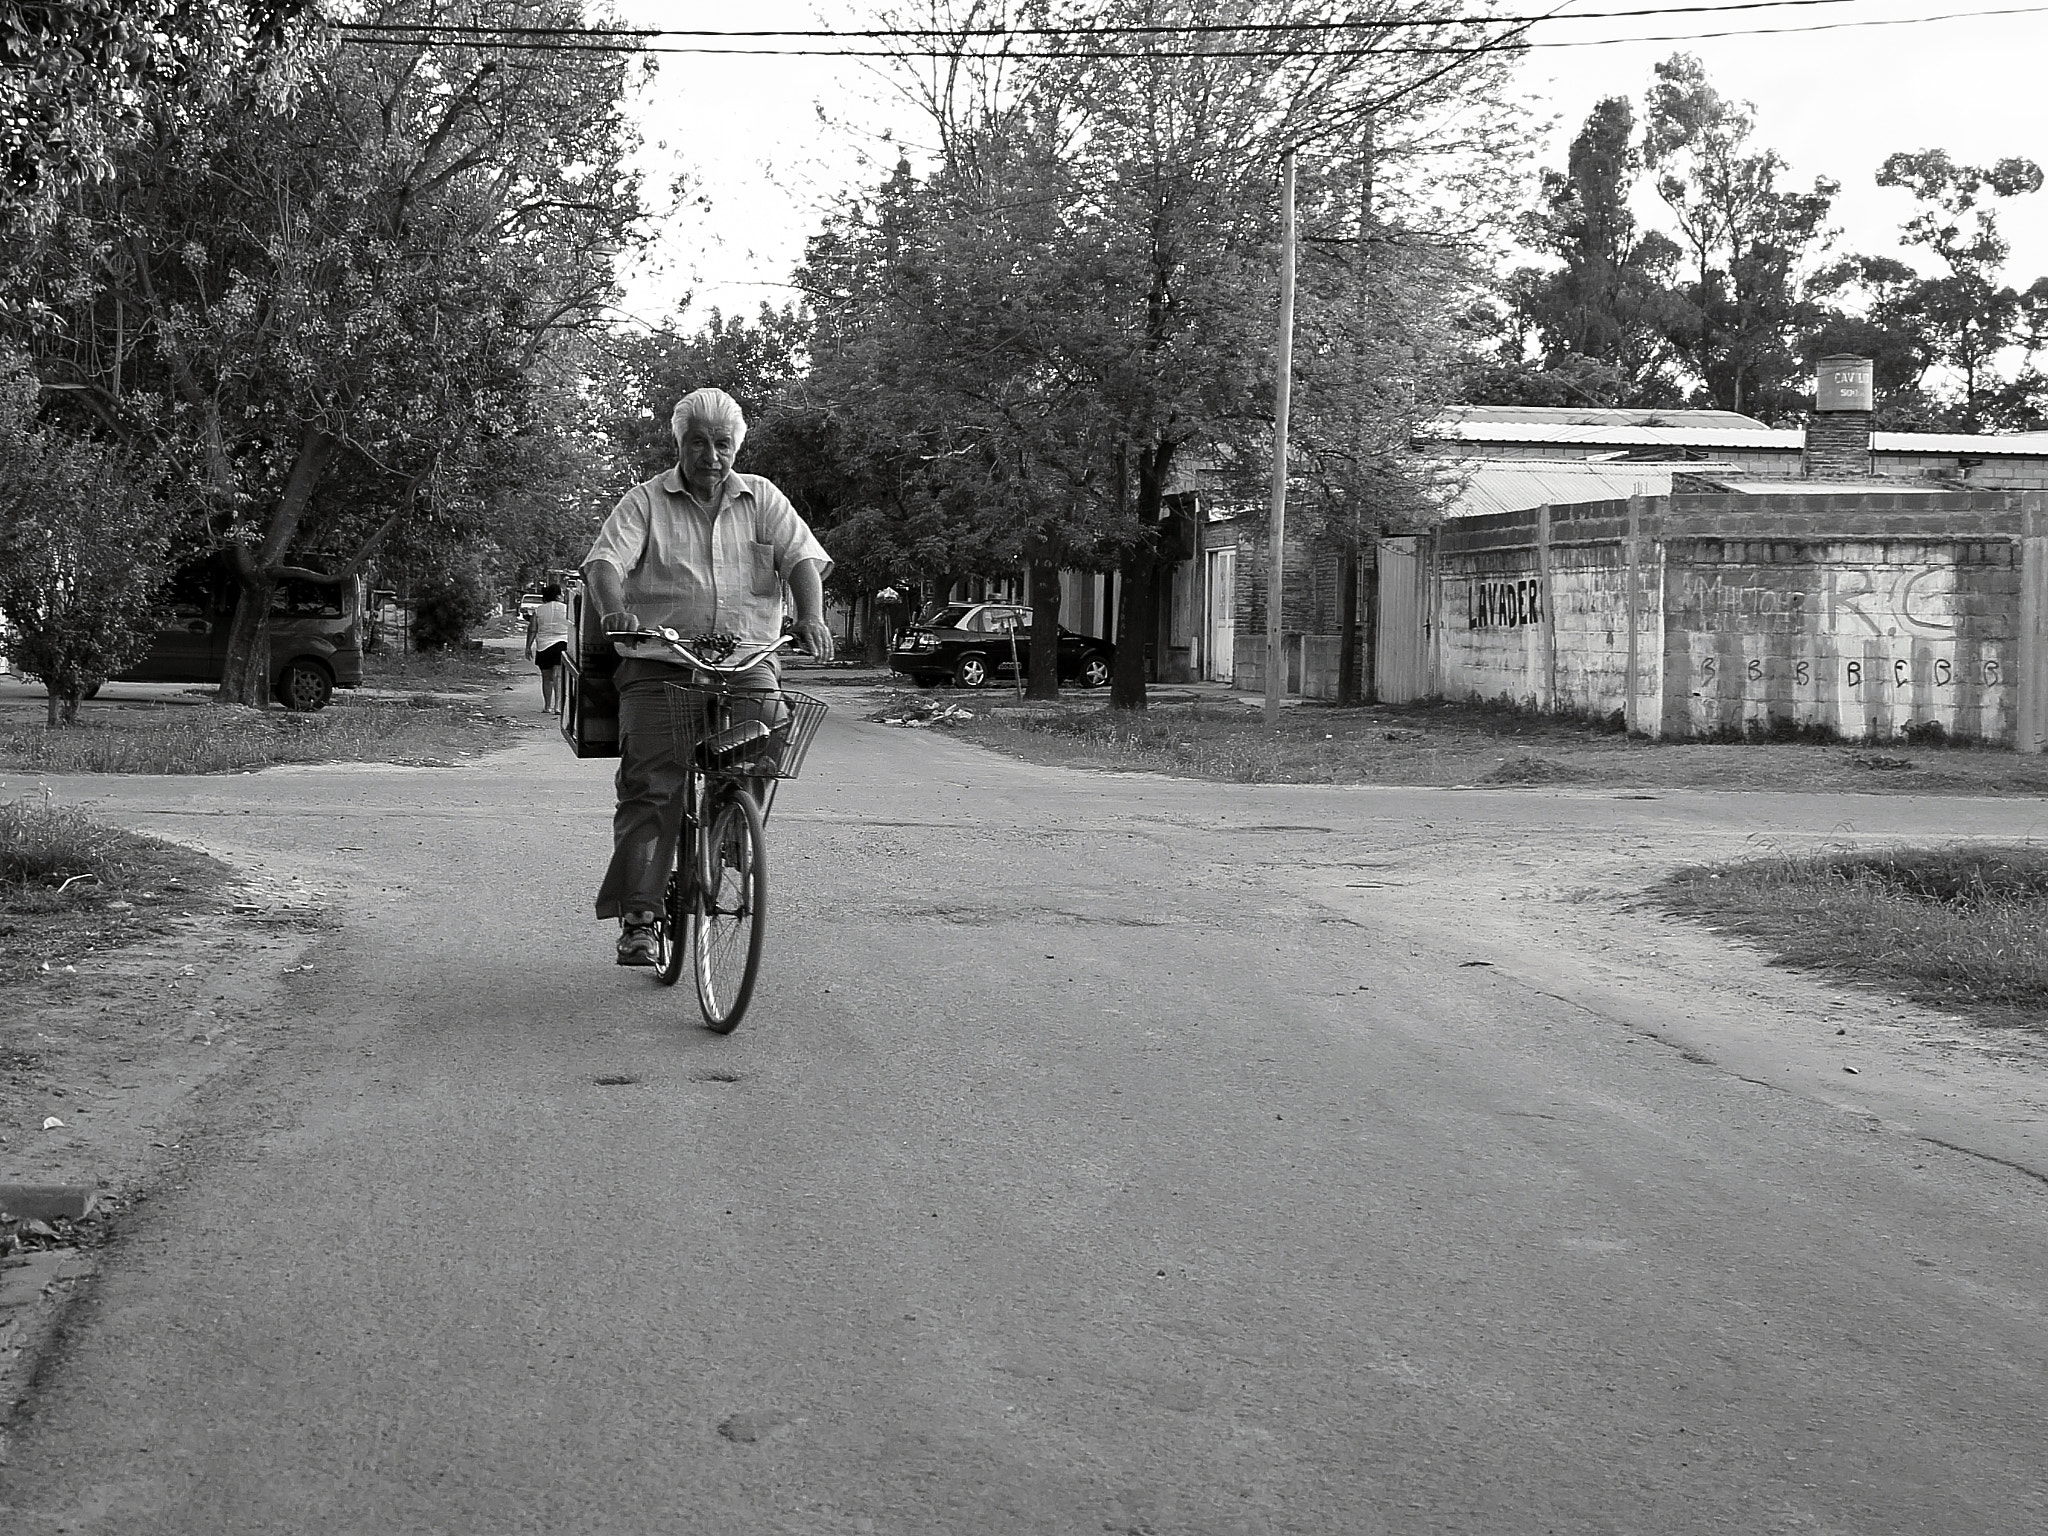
(636, 944)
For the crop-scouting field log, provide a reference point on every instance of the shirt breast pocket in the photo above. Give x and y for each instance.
(761, 566)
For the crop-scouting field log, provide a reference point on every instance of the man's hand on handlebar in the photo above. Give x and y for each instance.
(620, 621)
(815, 636)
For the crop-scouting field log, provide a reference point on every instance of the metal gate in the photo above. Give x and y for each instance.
(1219, 625)
(1400, 653)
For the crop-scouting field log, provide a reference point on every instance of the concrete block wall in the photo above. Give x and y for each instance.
(1862, 614)
(1863, 638)
(2005, 471)
(1591, 615)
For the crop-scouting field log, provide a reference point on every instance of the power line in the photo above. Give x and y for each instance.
(589, 42)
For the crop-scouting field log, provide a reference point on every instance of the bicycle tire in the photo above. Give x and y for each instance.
(672, 932)
(729, 910)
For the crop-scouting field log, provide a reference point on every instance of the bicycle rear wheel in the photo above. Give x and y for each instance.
(729, 909)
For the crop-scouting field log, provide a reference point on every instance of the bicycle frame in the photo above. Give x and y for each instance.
(736, 658)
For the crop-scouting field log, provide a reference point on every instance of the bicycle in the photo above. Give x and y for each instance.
(715, 903)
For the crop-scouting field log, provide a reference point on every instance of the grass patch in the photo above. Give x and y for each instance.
(70, 885)
(225, 738)
(462, 671)
(1962, 928)
(1451, 744)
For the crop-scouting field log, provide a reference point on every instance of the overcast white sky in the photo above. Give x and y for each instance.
(747, 131)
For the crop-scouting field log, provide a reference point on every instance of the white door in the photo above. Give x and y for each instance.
(1219, 627)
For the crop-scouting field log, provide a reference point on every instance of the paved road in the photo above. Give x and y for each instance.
(1102, 1154)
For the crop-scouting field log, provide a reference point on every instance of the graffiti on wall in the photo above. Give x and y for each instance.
(1859, 672)
(1917, 600)
(1503, 604)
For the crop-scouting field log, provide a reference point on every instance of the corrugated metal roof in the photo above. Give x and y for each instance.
(1963, 444)
(1514, 485)
(1599, 416)
(1548, 430)
(1713, 439)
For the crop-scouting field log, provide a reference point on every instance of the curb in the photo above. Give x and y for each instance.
(48, 1202)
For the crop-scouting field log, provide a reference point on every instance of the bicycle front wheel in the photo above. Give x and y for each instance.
(730, 907)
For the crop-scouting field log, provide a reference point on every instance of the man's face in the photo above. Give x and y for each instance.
(707, 452)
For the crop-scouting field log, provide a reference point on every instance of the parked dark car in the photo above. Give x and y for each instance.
(316, 637)
(969, 644)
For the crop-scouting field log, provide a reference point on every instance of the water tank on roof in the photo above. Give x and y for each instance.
(1844, 383)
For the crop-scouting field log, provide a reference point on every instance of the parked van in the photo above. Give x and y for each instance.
(316, 637)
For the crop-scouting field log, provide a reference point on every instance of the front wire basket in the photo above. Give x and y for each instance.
(743, 733)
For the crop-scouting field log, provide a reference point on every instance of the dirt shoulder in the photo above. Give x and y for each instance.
(1211, 733)
(116, 1041)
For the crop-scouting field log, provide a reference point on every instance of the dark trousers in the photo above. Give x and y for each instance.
(653, 780)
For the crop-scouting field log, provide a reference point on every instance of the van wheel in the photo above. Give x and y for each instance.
(304, 686)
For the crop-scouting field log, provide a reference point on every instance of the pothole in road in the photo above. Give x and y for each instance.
(716, 1076)
(616, 1079)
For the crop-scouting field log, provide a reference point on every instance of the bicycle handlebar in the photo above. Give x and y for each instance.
(744, 655)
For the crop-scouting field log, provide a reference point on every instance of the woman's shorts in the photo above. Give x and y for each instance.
(551, 658)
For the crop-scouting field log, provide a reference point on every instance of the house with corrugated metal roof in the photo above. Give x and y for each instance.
(1847, 545)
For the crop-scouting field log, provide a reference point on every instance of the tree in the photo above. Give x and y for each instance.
(1602, 316)
(1399, 216)
(1964, 318)
(1124, 254)
(319, 310)
(83, 543)
(1746, 238)
(73, 76)
(754, 361)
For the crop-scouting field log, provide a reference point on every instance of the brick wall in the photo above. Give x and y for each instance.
(1838, 445)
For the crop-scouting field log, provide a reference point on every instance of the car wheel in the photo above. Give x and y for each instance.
(304, 686)
(971, 672)
(1094, 670)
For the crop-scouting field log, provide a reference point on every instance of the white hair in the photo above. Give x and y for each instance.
(715, 408)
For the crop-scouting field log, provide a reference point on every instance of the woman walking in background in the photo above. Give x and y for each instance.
(547, 641)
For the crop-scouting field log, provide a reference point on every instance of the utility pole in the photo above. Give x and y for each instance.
(1276, 563)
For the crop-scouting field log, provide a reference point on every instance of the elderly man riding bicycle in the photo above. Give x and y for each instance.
(698, 550)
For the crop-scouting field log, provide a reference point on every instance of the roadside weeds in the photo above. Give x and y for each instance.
(1962, 928)
(415, 709)
(1443, 744)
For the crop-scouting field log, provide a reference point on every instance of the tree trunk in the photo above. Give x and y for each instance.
(1133, 631)
(1045, 631)
(878, 634)
(245, 675)
(1347, 624)
(1136, 620)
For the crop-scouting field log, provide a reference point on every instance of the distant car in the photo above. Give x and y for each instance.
(969, 645)
(316, 635)
(528, 601)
